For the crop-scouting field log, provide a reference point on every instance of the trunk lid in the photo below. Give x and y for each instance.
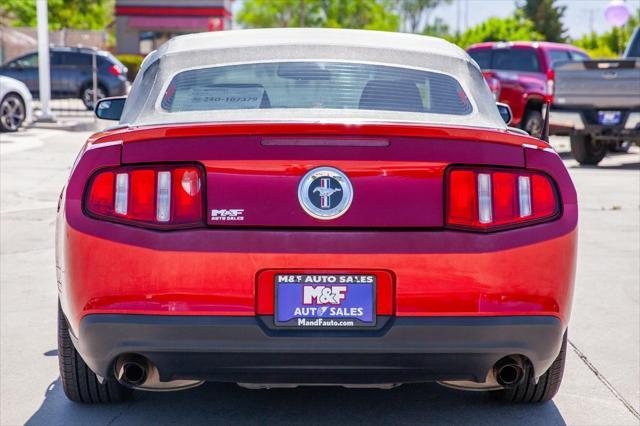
(253, 181)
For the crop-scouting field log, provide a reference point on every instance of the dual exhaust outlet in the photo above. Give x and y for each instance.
(509, 371)
(133, 371)
(137, 372)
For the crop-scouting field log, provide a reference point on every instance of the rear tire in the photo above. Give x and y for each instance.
(528, 391)
(86, 95)
(79, 383)
(533, 123)
(586, 151)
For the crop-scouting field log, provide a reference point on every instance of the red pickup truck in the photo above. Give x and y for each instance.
(521, 75)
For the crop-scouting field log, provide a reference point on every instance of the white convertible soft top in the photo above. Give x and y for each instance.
(216, 49)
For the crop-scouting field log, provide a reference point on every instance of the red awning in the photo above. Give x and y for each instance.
(171, 11)
(164, 22)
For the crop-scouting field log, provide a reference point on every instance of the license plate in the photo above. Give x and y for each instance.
(325, 300)
(609, 118)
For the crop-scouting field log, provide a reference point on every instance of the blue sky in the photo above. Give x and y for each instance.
(580, 18)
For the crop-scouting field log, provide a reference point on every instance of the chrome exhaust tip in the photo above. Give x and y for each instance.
(509, 372)
(133, 371)
(137, 372)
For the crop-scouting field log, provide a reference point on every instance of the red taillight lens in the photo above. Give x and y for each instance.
(186, 189)
(115, 70)
(505, 197)
(462, 201)
(489, 199)
(543, 196)
(101, 195)
(158, 196)
(142, 195)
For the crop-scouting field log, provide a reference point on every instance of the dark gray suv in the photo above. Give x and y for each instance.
(71, 74)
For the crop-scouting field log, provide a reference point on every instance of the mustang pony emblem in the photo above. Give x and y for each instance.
(326, 192)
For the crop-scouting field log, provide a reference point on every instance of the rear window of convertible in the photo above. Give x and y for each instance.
(313, 85)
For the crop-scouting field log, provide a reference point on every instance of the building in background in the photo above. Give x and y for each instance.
(143, 25)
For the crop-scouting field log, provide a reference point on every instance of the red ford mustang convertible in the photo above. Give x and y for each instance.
(295, 207)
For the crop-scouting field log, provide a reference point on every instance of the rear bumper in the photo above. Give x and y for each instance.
(248, 349)
(565, 121)
(226, 273)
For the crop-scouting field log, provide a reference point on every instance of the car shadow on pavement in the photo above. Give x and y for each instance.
(219, 403)
(624, 166)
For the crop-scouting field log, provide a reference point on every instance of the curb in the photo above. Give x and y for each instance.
(70, 126)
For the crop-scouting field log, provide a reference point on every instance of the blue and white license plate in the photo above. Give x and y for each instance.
(325, 300)
(609, 118)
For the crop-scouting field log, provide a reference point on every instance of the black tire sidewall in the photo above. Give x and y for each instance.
(79, 383)
(582, 149)
(90, 87)
(530, 391)
(532, 115)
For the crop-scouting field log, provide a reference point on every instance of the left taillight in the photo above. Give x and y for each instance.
(159, 196)
(487, 199)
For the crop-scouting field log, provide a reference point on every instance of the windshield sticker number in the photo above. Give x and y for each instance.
(226, 97)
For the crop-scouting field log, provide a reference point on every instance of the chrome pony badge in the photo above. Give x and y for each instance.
(325, 193)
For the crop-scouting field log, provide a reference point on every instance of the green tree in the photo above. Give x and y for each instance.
(439, 28)
(498, 29)
(415, 13)
(546, 17)
(363, 14)
(77, 14)
(279, 13)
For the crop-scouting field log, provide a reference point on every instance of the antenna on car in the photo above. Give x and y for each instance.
(545, 127)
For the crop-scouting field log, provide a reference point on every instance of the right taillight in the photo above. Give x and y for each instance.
(488, 199)
(159, 196)
(551, 77)
(115, 70)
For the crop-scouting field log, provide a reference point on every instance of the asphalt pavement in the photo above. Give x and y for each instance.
(602, 378)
